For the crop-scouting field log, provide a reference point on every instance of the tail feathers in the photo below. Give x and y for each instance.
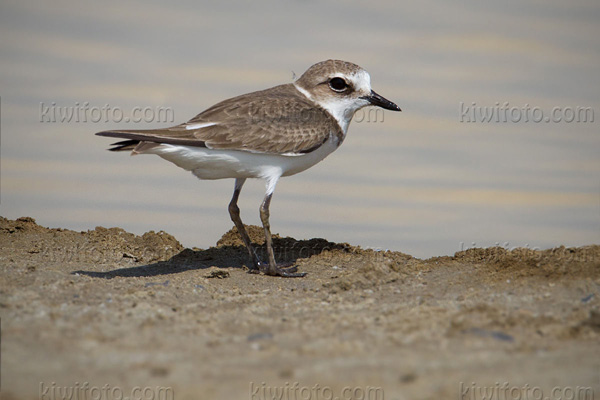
(125, 145)
(151, 135)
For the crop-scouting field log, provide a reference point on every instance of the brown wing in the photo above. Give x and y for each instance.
(278, 120)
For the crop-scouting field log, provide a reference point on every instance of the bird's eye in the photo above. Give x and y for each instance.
(338, 84)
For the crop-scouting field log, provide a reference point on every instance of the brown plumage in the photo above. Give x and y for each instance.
(267, 134)
(279, 120)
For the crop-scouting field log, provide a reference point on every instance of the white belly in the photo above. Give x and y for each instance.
(219, 164)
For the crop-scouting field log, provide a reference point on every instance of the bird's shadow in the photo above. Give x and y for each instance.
(286, 250)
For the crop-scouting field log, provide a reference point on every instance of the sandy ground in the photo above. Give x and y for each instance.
(108, 313)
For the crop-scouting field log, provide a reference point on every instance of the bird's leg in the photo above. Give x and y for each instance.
(272, 268)
(234, 212)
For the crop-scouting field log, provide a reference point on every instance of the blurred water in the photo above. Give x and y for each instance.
(425, 181)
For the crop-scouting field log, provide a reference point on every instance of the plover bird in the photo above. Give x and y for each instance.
(266, 134)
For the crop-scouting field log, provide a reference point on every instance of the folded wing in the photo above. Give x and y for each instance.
(279, 120)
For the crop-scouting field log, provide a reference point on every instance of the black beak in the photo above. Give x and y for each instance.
(381, 101)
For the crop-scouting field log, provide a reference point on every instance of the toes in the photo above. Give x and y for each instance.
(290, 269)
(286, 270)
(254, 269)
(292, 274)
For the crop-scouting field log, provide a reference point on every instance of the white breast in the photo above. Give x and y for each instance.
(220, 164)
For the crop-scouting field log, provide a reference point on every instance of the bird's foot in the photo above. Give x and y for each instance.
(285, 270)
(253, 270)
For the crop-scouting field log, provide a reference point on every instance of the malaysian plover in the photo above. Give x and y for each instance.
(266, 134)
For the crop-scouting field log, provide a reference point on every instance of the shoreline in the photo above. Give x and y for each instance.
(108, 307)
